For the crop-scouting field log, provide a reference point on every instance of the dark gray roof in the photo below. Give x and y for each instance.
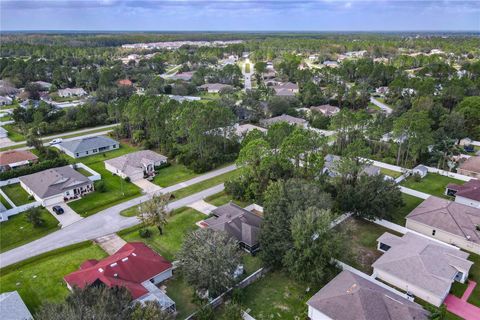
(54, 181)
(237, 222)
(351, 297)
(87, 144)
(12, 307)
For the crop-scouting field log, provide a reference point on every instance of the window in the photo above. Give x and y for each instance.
(77, 154)
(384, 247)
(86, 152)
(433, 232)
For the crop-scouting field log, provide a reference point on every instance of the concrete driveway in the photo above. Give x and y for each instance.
(203, 207)
(147, 186)
(68, 217)
(111, 243)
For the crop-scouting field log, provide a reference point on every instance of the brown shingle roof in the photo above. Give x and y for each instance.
(351, 297)
(14, 156)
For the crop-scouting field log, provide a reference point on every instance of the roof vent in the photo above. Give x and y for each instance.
(115, 275)
(134, 254)
(125, 259)
(100, 269)
(113, 264)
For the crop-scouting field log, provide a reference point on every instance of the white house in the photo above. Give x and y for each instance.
(84, 147)
(71, 92)
(421, 170)
(136, 165)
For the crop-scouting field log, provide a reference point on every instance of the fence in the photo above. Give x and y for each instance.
(16, 210)
(449, 174)
(94, 174)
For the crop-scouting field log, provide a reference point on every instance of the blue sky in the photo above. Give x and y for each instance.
(240, 15)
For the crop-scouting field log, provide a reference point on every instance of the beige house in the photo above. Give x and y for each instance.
(420, 266)
(136, 165)
(470, 167)
(447, 221)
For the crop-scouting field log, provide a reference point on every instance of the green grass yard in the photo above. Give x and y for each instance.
(221, 198)
(40, 279)
(247, 68)
(5, 203)
(411, 202)
(180, 292)
(181, 222)
(6, 118)
(433, 184)
(391, 173)
(17, 231)
(185, 192)
(16, 193)
(173, 174)
(84, 172)
(14, 133)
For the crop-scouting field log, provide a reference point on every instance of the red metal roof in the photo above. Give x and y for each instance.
(13, 156)
(133, 264)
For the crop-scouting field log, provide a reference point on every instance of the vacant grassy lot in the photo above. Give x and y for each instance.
(206, 184)
(277, 296)
(362, 238)
(16, 193)
(173, 174)
(221, 198)
(179, 224)
(40, 279)
(117, 190)
(17, 231)
(411, 202)
(433, 184)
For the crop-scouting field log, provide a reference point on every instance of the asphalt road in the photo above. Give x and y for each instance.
(381, 105)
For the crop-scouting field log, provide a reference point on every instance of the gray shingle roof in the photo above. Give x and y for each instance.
(418, 260)
(283, 118)
(452, 217)
(87, 144)
(237, 222)
(54, 181)
(134, 162)
(12, 307)
(351, 297)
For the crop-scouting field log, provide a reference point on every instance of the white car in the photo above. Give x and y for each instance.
(55, 141)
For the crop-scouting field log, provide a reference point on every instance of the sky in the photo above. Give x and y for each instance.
(241, 15)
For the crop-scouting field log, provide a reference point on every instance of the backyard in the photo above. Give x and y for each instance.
(411, 202)
(433, 184)
(17, 231)
(181, 222)
(16, 193)
(40, 279)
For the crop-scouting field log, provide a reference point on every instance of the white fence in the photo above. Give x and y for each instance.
(449, 174)
(414, 193)
(95, 176)
(16, 210)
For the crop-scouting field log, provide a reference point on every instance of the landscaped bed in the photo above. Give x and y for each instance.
(40, 279)
(433, 184)
(181, 222)
(362, 238)
(16, 193)
(17, 231)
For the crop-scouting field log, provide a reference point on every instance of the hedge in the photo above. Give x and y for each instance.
(47, 164)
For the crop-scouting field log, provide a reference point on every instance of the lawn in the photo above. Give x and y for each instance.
(84, 172)
(276, 296)
(117, 190)
(433, 184)
(247, 68)
(14, 133)
(5, 203)
(6, 118)
(180, 292)
(173, 174)
(205, 184)
(391, 173)
(251, 263)
(458, 288)
(17, 231)
(362, 238)
(221, 198)
(411, 202)
(40, 279)
(179, 224)
(16, 193)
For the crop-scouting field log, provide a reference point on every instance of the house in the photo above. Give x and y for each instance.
(125, 82)
(242, 129)
(330, 63)
(326, 109)
(214, 87)
(288, 89)
(420, 266)
(350, 296)
(185, 76)
(5, 101)
(421, 170)
(284, 118)
(239, 223)
(12, 307)
(467, 194)
(470, 167)
(136, 165)
(331, 161)
(71, 92)
(447, 221)
(465, 142)
(44, 86)
(56, 185)
(134, 266)
(88, 146)
(381, 90)
(16, 158)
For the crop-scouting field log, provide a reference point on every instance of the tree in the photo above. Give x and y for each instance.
(101, 302)
(34, 216)
(232, 311)
(284, 199)
(315, 246)
(154, 212)
(470, 109)
(208, 260)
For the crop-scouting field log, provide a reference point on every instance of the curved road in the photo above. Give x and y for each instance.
(106, 222)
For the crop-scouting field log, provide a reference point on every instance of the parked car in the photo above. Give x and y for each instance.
(58, 210)
(55, 141)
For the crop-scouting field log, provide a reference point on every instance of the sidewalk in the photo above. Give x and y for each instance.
(461, 307)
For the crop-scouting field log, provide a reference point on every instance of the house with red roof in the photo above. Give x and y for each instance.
(135, 267)
(16, 158)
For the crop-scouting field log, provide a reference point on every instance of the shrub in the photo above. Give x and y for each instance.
(417, 177)
(34, 216)
(100, 186)
(145, 233)
(127, 179)
(44, 165)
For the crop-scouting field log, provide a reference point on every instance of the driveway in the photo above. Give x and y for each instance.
(111, 243)
(203, 207)
(381, 105)
(66, 218)
(147, 186)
